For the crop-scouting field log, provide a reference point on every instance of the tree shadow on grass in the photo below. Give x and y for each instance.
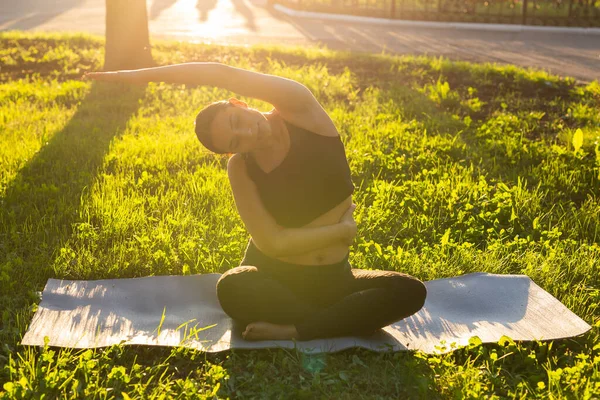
(43, 201)
(288, 373)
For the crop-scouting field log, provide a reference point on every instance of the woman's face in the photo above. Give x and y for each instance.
(239, 129)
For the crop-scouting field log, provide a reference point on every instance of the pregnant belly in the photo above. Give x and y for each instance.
(327, 255)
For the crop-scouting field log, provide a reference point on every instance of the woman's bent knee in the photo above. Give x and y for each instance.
(410, 294)
(419, 294)
(230, 287)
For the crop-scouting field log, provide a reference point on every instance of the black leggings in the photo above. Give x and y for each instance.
(321, 301)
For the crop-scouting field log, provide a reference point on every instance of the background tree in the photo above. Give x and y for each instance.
(127, 36)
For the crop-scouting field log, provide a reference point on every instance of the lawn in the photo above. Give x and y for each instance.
(458, 167)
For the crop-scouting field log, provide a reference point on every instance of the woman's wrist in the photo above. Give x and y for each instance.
(132, 76)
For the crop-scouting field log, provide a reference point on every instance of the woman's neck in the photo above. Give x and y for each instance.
(279, 142)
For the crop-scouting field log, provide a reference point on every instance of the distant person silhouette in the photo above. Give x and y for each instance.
(242, 9)
(204, 6)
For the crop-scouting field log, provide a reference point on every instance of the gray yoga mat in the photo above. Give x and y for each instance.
(174, 310)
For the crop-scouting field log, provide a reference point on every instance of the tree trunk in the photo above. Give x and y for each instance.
(127, 36)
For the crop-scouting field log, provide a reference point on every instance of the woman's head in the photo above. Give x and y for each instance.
(230, 126)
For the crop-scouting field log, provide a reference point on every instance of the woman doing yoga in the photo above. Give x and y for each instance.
(292, 188)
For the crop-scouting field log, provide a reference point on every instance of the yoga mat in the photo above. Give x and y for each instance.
(174, 310)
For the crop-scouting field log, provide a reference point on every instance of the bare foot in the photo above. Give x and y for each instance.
(269, 331)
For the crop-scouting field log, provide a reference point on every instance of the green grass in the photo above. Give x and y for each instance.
(459, 168)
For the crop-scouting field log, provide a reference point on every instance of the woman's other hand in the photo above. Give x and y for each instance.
(347, 220)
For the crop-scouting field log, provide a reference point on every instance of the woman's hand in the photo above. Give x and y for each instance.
(112, 76)
(347, 220)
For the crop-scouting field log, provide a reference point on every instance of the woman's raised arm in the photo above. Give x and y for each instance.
(283, 93)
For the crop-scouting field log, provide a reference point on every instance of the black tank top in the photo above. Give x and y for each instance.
(313, 178)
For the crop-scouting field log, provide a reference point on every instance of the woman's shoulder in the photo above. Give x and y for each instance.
(315, 120)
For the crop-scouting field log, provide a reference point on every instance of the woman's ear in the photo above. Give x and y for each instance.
(237, 102)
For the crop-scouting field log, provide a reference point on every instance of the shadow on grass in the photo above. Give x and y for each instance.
(43, 201)
(290, 374)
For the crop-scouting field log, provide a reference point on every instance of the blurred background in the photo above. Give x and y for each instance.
(572, 49)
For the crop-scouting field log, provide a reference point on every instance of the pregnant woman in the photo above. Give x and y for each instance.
(292, 188)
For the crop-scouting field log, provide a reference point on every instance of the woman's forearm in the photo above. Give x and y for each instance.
(295, 241)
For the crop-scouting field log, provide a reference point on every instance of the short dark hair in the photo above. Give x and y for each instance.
(203, 121)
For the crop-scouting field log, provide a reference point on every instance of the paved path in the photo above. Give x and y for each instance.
(246, 22)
